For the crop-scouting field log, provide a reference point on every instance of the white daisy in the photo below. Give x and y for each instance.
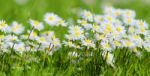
(36, 24)
(4, 26)
(51, 19)
(17, 28)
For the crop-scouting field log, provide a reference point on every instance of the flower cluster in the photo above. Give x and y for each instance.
(115, 29)
(15, 38)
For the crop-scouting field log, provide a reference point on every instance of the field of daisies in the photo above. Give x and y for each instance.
(113, 42)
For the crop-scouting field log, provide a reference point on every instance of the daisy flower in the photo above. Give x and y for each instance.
(98, 19)
(61, 22)
(106, 46)
(56, 42)
(17, 28)
(88, 43)
(128, 43)
(141, 23)
(99, 36)
(33, 35)
(69, 43)
(129, 21)
(41, 40)
(128, 13)
(19, 47)
(4, 26)
(85, 24)
(87, 15)
(52, 19)
(76, 33)
(36, 24)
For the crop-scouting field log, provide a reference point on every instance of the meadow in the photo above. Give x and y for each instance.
(74, 38)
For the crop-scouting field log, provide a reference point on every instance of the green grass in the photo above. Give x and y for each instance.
(59, 64)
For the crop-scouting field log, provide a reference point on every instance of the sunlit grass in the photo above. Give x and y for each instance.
(60, 64)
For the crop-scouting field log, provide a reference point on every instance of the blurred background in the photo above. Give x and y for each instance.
(23, 10)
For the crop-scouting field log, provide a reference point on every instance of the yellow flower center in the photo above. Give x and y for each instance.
(88, 41)
(83, 22)
(51, 18)
(106, 45)
(141, 23)
(128, 43)
(36, 23)
(77, 33)
(117, 43)
(119, 29)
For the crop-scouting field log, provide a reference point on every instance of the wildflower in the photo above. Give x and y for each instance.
(141, 24)
(117, 12)
(33, 35)
(51, 19)
(136, 39)
(96, 28)
(85, 24)
(98, 19)
(132, 30)
(128, 43)
(108, 10)
(69, 43)
(76, 32)
(61, 22)
(87, 15)
(109, 18)
(41, 40)
(120, 30)
(89, 43)
(56, 42)
(11, 38)
(128, 14)
(106, 46)
(4, 26)
(36, 24)
(141, 30)
(108, 28)
(20, 47)
(117, 43)
(17, 28)
(100, 36)
(129, 21)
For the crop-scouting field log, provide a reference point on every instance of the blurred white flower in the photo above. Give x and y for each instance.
(19, 47)
(4, 26)
(87, 15)
(75, 33)
(54, 20)
(88, 43)
(33, 35)
(36, 24)
(69, 43)
(51, 18)
(17, 28)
